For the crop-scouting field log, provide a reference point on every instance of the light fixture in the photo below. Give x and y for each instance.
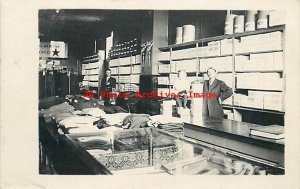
(57, 11)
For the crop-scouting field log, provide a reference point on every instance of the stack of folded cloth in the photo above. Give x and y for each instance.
(81, 102)
(170, 124)
(53, 111)
(79, 124)
(45, 103)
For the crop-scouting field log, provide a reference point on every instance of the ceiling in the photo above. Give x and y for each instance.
(78, 24)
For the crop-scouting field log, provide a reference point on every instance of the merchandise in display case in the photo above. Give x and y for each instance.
(152, 151)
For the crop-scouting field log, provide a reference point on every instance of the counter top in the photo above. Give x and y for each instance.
(235, 130)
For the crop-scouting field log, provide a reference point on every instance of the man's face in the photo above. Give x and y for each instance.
(108, 72)
(211, 73)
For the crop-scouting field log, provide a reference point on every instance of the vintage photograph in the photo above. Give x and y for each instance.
(161, 92)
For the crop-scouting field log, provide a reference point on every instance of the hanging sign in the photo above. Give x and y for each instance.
(54, 49)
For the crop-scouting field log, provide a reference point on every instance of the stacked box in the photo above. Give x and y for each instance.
(125, 70)
(164, 68)
(219, 63)
(214, 48)
(125, 61)
(226, 46)
(173, 78)
(93, 84)
(136, 69)
(113, 62)
(227, 78)
(163, 80)
(187, 65)
(138, 59)
(94, 71)
(131, 87)
(263, 81)
(278, 61)
(163, 56)
(256, 99)
(260, 42)
(276, 17)
(228, 101)
(185, 53)
(114, 70)
(273, 101)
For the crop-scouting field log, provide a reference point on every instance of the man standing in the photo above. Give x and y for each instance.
(212, 106)
(108, 85)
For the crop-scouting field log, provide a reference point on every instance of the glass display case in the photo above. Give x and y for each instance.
(152, 151)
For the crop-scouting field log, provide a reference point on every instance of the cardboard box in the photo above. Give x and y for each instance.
(278, 60)
(138, 59)
(276, 17)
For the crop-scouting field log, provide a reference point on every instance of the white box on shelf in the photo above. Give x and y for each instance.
(273, 101)
(276, 17)
(269, 61)
(227, 101)
(173, 66)
(138, 59)
(163, 56)
(164, 68)
(114, 62)
(136, 69)
(278, 60)
(256, 98)
(133, 60)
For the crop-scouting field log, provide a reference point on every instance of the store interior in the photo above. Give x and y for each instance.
(82, 131)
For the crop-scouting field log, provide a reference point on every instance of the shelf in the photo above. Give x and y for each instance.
(273, 90)
(127, 83)
(180, 59)
(127, 65)
(263, 71)
(235, 35)
(125, 56)
(125, 74)
(253, 109)
(258, 52)
(164, 61)
(221, 72)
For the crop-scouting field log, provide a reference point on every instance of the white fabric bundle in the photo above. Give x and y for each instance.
(78, 121)
(95, 112)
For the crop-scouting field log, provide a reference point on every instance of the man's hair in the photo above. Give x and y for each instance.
(211, 68)
(181, 71)
(108, 70)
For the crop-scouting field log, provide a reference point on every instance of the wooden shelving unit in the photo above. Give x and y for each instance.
(195, 45)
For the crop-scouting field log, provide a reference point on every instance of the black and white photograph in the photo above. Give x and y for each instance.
(150, 95)
(170, 92)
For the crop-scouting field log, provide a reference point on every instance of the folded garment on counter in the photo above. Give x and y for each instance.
(56, 108)
(80, 103)
(78, 121)
(59, 117)
(115, 119)
(45, 103)
(162, 119)
(114, 109)
(81, 129)
(135, 121)
(95, 112)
